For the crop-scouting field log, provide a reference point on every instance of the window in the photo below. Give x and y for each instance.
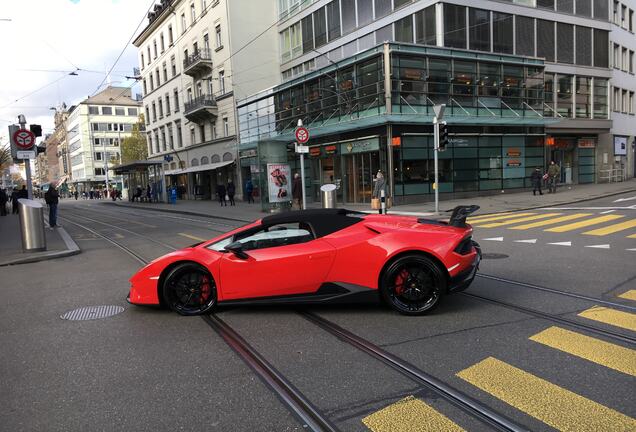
(348, 15)
(173, 66)
(564, 95)
(454, 26)
(479, 25)
(179, 136)
(99, 155)
(382, 7)
(142, 61)
(147, 115)
(93, 110)
(192, 141)
(615, 15)
(184, 25)
(222, 82)
(149, 58)
(584, 8)
(120, 111)
(623, 16)
(525, 35)
(217, 32)
(404, 29)
(154, 112)
(202, 132)
(167, 104)
(107, 111)
(170, 138)
(145, 87)
(157, 77)
(631, 20)
(545, 39)
(176, 100)
(624, 60)
(625, 101)
(631, 61)
(268, 237)
(99, 171)
(226, 127)
(193, 13)
(601, 9)
(133, 112)
(165, 72)
(631, 102)
(545, 4)
(502, 33)
(154, 48)
(565, 43)
(170, 37)
(307, 27)
(320, 29)
(425, 26)
(582, 100)
(616, 100)
(162, 43)
(583, 46)
(365, 12)
(333, 18)
(206, 44)
(601, 48)
(617, 57)
(565, 6)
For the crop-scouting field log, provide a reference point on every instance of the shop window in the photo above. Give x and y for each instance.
(479, 25)
(534, 88)
(454, 26)
(512, 86)
(463, 90)
(438, 80)
(488, 85)
(412, 80)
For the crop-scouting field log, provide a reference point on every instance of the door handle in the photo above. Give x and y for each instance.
(319, 256)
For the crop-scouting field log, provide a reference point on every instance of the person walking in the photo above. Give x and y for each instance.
(536, 178)
(220, 191)
(378, 187)
(249, 189)
(75, 194)
(3, 202)
(231, 190)
(297, 191)
(554, 171)
(52, 198)
(15, 196)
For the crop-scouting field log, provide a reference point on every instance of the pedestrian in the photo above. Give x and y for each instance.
(75, 194)
(3, 202)
(15, 195)
(220, 191)
(554, 171)
(536, 178)
(297, 192)
(231, 190)
(378, 187)
(249, 189)
(52, 198)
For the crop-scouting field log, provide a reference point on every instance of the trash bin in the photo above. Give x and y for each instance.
(328, 195)
(32, 225)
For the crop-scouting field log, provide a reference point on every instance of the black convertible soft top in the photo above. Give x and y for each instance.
(323, 221)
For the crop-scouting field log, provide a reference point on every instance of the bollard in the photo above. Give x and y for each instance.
(32, 225)
(383, 201)
(328, 195)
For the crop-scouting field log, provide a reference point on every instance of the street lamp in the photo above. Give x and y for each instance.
(439, 114)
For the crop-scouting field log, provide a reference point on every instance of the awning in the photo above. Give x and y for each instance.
(206, 167)
(136, 166)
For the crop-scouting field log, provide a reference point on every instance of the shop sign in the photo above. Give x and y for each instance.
(331, 149)
(587, 143)
(248, 153)
(278, 182)
(513, 152)
(620, 146)
(360, 146)
(513, 163)
(459, 142)
(315, 151)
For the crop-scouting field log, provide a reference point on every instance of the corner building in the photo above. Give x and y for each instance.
(524, 82)
(196, 57)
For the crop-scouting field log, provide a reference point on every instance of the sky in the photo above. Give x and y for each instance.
(43, 41)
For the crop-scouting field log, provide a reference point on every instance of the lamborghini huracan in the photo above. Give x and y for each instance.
(317, 256)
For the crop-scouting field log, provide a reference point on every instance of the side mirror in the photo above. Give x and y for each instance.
(237, 249)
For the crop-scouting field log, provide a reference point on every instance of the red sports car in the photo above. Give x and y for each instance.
(316, 256)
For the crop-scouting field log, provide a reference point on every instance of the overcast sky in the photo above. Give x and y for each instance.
(45, 40)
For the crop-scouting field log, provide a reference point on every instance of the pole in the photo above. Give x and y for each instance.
(106, 167)
(27, 162)
(302, 178)
(435, 151)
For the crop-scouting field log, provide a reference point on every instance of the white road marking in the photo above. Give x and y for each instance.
(603, 246)
(493, 239)
(568, 243)
(625, 199)
(633, 250)
(589, 208)
(607, 211)
(533, 241)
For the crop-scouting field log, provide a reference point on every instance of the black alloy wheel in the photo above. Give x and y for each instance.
(413, 285)
(189, 289)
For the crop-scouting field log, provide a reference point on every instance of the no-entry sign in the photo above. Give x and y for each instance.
(24, 139)
(302, 135)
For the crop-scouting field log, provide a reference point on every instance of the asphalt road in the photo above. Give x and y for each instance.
(522, 352)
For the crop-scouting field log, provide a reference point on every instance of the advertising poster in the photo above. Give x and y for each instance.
(620, 146)
(279, 182)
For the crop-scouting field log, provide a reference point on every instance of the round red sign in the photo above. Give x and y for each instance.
(302, 135)
(24, 139)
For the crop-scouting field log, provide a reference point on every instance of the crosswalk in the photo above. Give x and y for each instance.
(533, 395)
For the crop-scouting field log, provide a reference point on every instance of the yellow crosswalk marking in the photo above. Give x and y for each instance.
(604, 353)
(192, 237)
(551, 404)
(514, 221)
(609, 316)
(629, 295)
(631, 236)
(612, 228)
(407, 415)
(582, 224)
(550, 221)
(493, 218)
(475, 218)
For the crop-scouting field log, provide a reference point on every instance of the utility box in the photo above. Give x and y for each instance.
(32, 225)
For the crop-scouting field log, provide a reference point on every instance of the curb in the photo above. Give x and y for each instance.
(71, 249)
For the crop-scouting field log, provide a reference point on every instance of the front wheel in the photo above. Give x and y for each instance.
(413, 285)
(189, 289)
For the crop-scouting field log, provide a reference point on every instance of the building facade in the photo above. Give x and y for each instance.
(510, 72)
(95, 129)
(196, 58)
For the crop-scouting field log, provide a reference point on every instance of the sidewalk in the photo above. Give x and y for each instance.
(58, 243)
(503, 202)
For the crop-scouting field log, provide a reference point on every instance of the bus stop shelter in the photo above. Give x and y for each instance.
(141, 174)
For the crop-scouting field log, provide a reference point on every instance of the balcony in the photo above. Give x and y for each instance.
(198, 63)
(201, 108)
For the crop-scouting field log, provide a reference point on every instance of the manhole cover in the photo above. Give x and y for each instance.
(92, 312)
(494, 256)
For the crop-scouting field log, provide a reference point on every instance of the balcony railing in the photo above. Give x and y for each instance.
(198, 63)
(201, 108)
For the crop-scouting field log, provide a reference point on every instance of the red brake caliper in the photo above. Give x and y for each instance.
(399, 281)
(205, 289)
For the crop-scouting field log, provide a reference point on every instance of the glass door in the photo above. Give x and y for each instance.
(361, 169)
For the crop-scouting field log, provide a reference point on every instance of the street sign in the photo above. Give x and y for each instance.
(302, 149)
(25, 154)
(302, 135)
(24, 139)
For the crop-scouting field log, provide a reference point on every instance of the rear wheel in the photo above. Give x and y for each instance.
(413, 285)
(189, 289)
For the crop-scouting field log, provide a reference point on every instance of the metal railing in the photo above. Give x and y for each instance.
(198, 102)
(613, 175)
(201, 54)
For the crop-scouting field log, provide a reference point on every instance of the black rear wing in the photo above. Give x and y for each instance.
(460, 213)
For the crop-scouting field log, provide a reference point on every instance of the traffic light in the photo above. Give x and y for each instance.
(39, 149)
(443, 136)
(36, 129)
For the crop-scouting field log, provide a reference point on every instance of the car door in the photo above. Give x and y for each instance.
(282, 260)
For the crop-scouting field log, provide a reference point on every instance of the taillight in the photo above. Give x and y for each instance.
(465, 246)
